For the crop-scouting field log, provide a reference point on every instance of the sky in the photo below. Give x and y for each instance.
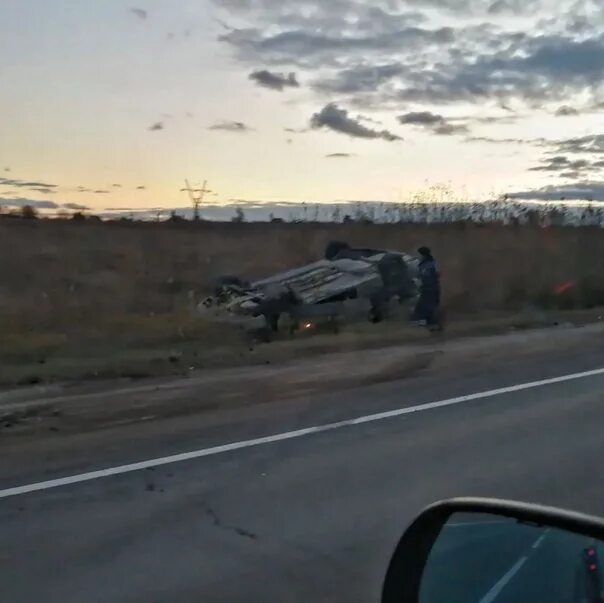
(115, 104)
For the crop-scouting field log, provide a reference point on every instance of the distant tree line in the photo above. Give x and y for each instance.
(501, 211)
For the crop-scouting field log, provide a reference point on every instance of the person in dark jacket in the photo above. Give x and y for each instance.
(428, 304)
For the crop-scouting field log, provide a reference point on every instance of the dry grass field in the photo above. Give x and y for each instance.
(90, 290)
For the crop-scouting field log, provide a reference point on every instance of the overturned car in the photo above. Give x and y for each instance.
(347, 283)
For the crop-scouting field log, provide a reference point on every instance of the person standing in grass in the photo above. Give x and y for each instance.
(427, 309)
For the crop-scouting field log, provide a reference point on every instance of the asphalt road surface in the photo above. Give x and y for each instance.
(308, 518)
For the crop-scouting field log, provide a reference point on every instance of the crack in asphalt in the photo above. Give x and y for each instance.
(209, 511)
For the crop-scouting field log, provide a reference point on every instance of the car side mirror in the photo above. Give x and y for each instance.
(494, 551)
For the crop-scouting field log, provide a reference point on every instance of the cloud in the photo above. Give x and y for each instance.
(360, 78)
(558, 153)
(566, 111)
(539, 69)
(336, 119)
(156, 127)
(564, 167)
(304, 48)
(74, 206)
(274, 81)
(29, 184)
(514, 7)
(116, 185)
(7, 169)
(592, 144)
(323, 17)
(480, 7)
(231, 126)
(499, 6)
(141, 188)
(552, 164)
(318, 33)
(385, 54)
(494, 119)
(98, 191)
(339, 155)
(423, 118)
(17, 202)
(42, 190)
(449, 129)
(39, 187)
(140, 13)
(493, 140)
(433, 122)
(571, 175)
(586, 190)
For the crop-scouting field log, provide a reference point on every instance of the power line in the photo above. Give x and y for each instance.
(197, 195)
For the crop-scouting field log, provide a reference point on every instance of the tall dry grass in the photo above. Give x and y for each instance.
(102, 280)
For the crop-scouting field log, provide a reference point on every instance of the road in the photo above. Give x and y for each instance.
(308, 518)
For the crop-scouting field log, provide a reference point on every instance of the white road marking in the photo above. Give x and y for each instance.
(540, 540)
(289, 435)
(503, 581)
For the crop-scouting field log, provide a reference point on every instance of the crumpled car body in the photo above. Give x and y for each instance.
(352, 280)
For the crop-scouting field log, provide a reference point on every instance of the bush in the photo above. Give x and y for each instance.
(29, 213)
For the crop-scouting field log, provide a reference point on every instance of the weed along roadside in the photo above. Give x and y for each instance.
(286, 381)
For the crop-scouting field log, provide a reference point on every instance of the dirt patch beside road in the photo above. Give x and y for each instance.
(59, 410)
(201, 347)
